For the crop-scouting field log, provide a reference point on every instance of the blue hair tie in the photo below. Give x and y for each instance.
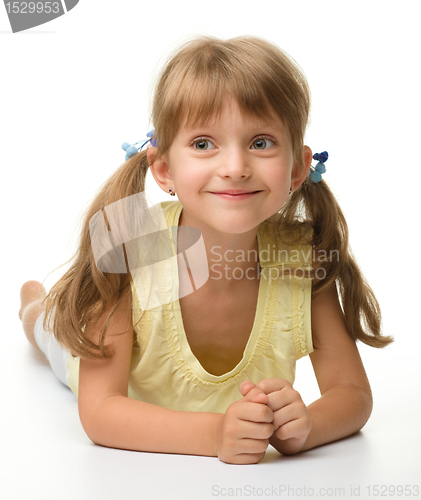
(133, 149)
(154, 142)
(316, 172)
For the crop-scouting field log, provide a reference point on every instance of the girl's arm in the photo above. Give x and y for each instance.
(346, 401)
(111, 419)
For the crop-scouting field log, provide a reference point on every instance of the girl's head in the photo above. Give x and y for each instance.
(262, 79)
(232, 92)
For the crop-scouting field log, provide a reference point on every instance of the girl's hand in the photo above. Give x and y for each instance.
(291, 421)
(244, 432)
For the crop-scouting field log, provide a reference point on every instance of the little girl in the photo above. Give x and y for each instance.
(178, 326)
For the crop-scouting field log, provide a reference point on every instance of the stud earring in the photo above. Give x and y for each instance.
(171, 193)
(290, 190)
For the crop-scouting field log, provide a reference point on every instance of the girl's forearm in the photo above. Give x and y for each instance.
(120, 422)
(339, 412)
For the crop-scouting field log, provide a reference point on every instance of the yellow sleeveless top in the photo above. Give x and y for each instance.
(164, 370)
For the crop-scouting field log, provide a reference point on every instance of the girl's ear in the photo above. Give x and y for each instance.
(160, 169)
(298, 176)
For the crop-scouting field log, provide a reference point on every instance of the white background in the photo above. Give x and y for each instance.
(72, 90)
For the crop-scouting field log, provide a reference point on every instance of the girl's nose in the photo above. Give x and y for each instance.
(235, 164)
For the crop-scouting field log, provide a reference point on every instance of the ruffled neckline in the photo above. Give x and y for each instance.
(258, 335)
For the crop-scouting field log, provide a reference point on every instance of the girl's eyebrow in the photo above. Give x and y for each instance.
(273, 127)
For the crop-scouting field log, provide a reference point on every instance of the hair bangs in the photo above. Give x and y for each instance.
(203, 101)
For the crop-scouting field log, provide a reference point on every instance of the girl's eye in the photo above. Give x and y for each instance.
(203, 144)
(262, 143)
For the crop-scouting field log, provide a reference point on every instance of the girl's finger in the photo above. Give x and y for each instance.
(281, 399)
(256, 430)
(288, 414)
(292, 430)
(246, 386)
(255, 395)
(255, 412)
(252, 446)
(273, 384)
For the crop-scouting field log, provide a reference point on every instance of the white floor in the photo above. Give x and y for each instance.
(46, 454)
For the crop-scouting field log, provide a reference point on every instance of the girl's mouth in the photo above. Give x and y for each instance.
(236, 197)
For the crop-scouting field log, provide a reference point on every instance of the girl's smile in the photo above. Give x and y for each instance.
(236, 196)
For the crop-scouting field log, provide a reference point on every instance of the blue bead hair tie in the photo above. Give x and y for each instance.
(316, 172)
(132, 149)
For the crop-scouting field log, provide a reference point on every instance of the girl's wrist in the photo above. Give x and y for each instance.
(217, 432)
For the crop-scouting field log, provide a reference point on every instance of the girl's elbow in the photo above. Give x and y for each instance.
(102, 421)
(94, 431)
(91, 430)
(91, 422)
(366, 406)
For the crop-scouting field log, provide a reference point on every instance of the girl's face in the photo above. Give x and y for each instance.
(230, 154)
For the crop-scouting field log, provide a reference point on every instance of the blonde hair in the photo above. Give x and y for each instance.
(190, 90)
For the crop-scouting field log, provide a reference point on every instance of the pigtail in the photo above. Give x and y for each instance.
(84, 293)
(314, 207)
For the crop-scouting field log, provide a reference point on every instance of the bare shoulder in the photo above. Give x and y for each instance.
(121, 320)
(336, 359)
